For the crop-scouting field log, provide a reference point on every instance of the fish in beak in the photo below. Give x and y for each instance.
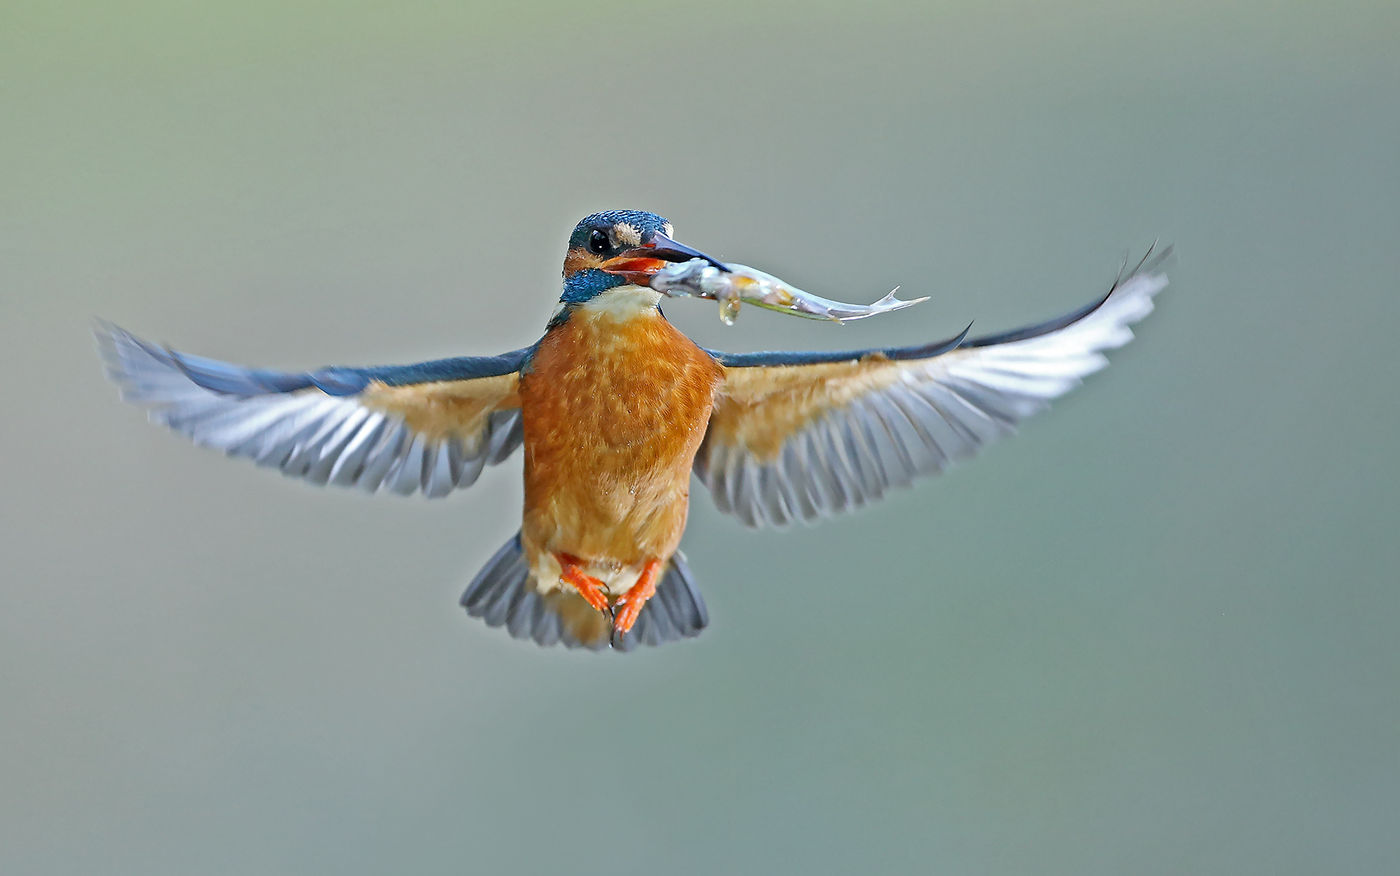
(639, 264)
(680, 271)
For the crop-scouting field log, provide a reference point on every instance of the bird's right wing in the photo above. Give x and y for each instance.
(431, 427)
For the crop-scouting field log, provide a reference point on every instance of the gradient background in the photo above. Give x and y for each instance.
(1156, 633)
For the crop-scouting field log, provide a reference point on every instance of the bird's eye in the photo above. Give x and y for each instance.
(598, 242)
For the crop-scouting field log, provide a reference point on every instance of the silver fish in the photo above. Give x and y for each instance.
(698, 278)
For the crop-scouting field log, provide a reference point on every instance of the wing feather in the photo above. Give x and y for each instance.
(802, 436)
(429, 428)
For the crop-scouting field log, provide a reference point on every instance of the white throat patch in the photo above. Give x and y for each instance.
(623, 302)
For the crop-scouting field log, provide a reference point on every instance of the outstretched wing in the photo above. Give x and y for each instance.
(798, 436)
(431, 426)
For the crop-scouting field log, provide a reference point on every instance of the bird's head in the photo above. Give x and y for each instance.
(619, 248)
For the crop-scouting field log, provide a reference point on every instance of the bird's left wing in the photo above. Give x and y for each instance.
(402, 428)
(798, 436)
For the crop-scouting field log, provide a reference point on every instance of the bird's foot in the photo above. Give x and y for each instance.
(631, 603)
(590, 588)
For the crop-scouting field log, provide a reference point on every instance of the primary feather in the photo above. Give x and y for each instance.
(804, 436)
(430, 427)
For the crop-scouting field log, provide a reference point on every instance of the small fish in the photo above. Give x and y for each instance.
(698, 278)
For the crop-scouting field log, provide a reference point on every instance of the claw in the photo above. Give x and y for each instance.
(635, 598)
(590, 588)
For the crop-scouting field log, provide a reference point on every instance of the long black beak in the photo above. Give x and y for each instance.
(639, 264)
(663, 247)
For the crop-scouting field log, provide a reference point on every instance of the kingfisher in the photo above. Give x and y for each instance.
(616, 409)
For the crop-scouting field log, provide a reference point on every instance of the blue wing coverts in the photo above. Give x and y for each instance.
(801, 436)
(430, 427)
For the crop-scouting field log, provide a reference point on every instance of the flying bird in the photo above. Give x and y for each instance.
(615, 409)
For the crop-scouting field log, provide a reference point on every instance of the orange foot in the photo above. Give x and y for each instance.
(630, 605)
(590, 588)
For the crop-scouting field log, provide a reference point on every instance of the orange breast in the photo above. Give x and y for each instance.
(614, 411)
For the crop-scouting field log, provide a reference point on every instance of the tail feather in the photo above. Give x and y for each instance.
(677, 610)
(503, 595)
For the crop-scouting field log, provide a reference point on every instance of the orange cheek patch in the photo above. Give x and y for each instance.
(580, 260)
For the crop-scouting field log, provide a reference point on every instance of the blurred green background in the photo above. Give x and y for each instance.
(1156, 633)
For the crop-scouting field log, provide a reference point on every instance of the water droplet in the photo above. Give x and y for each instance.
(729, 310)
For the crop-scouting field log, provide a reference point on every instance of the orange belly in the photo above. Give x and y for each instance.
(614, 409)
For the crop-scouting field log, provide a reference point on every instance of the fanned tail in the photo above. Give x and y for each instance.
(504, 595)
